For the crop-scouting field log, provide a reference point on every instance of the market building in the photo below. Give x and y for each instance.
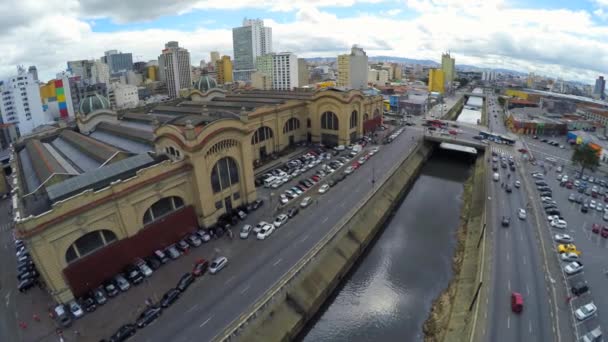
(90, 199)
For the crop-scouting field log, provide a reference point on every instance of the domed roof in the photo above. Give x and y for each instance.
(92, 103)
(205, 83)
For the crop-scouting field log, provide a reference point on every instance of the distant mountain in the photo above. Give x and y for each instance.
(403, 60)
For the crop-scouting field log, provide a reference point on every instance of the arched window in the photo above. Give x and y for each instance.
(162, 207)
(365, 117)
(376, 113)
(290, 125)
(88, 244)
(353, 119)
(329, 120)
(261, 134)
(224, 174)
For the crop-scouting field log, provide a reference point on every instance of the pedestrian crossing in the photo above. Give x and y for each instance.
(5, 227)
(502, 150)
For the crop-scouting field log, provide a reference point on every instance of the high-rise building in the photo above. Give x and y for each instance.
(397, 72)
(448, 65)
(32, 70)
(352, 69)
(20, 102)
(284, 71)
(600, 87)
(124, 96)
(215, 56)
(260, 80)
(223, 69)
(263, 64)
(302, 72)
(117, 61)
(57, 98)
(99, 73)
(81, 68)
(436, 81)
(249, 41)
(175, 63)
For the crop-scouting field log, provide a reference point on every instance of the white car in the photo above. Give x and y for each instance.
(592, 204)
(284, 199)
(552, 217)
(375, 150)
(569, 257)
(280, 220)
(259, 226)
(605, 216)
(217, 264)
(564, 238)
(75, 309)
(517, 184)
(573, 268)
(306, 202)
(559, 224)
(323, 189)
(362, 160)
(143, 267)
(245, 230)
(521, 213)
(265, 232)
(349, 170)
(585, 311)
(599, 207)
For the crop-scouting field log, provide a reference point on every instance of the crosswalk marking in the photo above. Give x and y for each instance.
(501, 150)
(4, 227)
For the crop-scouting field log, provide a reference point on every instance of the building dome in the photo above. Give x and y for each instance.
(205, 83)
(92, 103)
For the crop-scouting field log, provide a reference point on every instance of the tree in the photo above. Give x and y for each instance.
(585, 157)
(501, 101)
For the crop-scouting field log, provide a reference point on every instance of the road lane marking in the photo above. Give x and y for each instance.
(205, 322)
(509, 284)
(530, 326)
(508, 322)
(277, 262)
(192, 308)
(229, 280)
(325, 220)
(508, 256)
(7, 298)
(527, 289)
(245, 289)
(304, 238)
(524, 259)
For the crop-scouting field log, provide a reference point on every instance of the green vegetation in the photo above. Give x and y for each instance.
(585, 157)
(501, 101)
(463, 81)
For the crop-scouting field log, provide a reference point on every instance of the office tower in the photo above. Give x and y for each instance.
(436, 81)
(20, 102)
(600, 87)
(81, 68)
(353, 69)
(284, 71)
(215, 56)
(117, 61)
(302, 72)
(100, 73)
(175, 62)
(249, 41)
(32, 70)
(223, 68)
(448, 65)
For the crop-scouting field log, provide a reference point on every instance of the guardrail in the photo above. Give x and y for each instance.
(234, 328)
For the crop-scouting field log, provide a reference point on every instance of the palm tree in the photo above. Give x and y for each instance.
(586, 157)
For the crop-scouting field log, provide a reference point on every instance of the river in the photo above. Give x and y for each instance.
(388, 294)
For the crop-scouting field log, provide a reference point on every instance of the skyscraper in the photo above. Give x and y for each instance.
(175, 63)
(32, 70)
(20, 103)
(600, 87)
(100, 73)
(352, 69)
(249, 41)
(436, 81)
(215, 56)
(448, 65)
(118, 61)
(302, 72)
(223, 68)
(284, 71)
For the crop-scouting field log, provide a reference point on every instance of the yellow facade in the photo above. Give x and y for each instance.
(436, 81)
(343, 70)
(223, 67)
(151, 72)
(326, 84)
(260, 80)
(121, 207)
(516, 93)
(47, 91)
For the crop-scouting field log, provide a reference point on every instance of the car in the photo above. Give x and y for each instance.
(573, 268)
(349, 170)
(265, 232)
(218, 264)
(148, 316)
(194, 240)
(517, 184)
(505, 221)
(604, 232)
(306, 202)
(62, 316)
(586, 311)
(241, 214)
(123, 333)
(563, 238)
(257, 204)
(284, 199)
(75, 309)
(134, 275)
(143, 267)
(572, 197)
(568, 257)
(183, 246)
(293, 211)
(595, 228)
(521, 213)
(599, 207)
(99, 296)
(185, 281)
(26, 284)
(592, 204)
(200, 267)
(559, 224)
(160, 255)
(122, 282)
(169, 297)
(323, 189)
(88, 303)
(567, 248)
(280, 220)
(297, 190)
(508, 188)
(584, 208)
(173, 252)
(245, 230)
(110, 288)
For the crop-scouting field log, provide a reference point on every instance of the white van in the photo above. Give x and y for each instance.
(496, 177)
(357, 148)
(268, 181)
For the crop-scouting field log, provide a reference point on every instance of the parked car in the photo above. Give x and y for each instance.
(185, 281)
(173, 252)
(585, 312)
(218, 264)
(122, 282)
(569, 257)
(88, 303)
(203, 235)
(323, 189)
(194, 240)
(123, 333)
(161, 256)
(153, 262)
(183, 246)
(265, 232)
(280, 220)
(293, 211)
(99, 296)
(257, 204)
(200, 267)
(75, 309)
(573, 268)
(245, 230)
(169, 297)
(148, 316)
(62, 316)
(134, 275)
(26, 284)
(560, 224)
(110, 288)
(563, 238)
(306, 202)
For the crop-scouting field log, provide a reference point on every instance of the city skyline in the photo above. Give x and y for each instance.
(537, 37)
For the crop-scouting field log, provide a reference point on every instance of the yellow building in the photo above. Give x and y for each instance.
(141, 180)
(436, 81)
(343, 70)
(151, 72)
(260, 80)
(516, 93)
(223, 67)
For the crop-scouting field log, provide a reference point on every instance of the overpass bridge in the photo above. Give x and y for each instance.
(461, 140)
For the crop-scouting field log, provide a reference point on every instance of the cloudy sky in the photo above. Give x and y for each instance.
(559, 38)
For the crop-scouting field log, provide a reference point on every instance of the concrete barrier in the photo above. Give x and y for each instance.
(302, 297)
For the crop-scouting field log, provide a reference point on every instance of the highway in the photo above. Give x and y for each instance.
(215, 301)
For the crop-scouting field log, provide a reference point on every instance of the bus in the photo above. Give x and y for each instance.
(497, 138)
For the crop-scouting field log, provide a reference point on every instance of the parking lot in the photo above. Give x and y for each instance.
(579, 228)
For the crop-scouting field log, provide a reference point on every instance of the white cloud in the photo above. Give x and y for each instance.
(486, 33)
(394, 11)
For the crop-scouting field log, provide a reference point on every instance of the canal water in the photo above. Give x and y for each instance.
(389, 294)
